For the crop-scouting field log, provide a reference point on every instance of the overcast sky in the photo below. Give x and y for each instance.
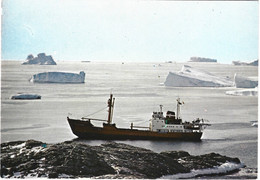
(130, 30)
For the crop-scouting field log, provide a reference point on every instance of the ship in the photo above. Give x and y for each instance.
(168, 127)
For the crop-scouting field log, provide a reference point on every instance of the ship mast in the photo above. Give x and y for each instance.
(178, 108)
(110, 103)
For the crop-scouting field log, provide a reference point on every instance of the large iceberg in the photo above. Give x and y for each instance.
(41, 59)
(201, 59)
(191, 77)
(244, 92)
(26, 96)
(250, 63)
(245, 82)
(58, 77)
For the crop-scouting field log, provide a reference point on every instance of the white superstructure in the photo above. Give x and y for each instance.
(173, 123)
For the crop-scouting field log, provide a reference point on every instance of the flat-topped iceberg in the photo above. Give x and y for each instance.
(41, 59)
(250, 63)
(191, 77)
(26, 96)
(58, 77)
(244, 92)
(245, 82)
(202, 59)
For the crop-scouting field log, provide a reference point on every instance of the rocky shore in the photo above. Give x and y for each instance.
(74, 159)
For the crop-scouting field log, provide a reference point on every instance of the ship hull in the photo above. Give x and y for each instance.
(86, 130)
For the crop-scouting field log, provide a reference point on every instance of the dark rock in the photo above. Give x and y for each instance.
(111, 160)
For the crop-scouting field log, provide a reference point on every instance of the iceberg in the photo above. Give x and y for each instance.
(41, 59)
(244, 92)
(201, 59)
(58, 77)
(250, 63)
(191, 77)
(26, 96)
(245, 82)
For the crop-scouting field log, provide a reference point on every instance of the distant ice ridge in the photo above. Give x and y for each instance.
(26, 96)
(245, 82)
(191, 77)
(223, 169)
(250, 63)
(201, 59)
(58, 77)
(244, 92)
(41, 59)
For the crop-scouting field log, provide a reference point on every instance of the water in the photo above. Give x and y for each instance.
(138, 90)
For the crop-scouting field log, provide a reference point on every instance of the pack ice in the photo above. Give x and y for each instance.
(245, 82)
(192, 77)
(58, 77)
(41, 59)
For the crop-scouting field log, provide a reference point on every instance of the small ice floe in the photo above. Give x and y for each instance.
(222, 169)
(254, 123)
(58, 77)
(244, 92)
(26, 96)
(192, 77)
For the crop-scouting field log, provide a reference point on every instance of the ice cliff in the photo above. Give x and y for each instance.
(41, 59)
(191, 77)
(201, 59)
(245, 82)
(58, 77)
(250, 63)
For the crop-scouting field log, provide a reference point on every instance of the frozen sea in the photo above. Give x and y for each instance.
(139, 90)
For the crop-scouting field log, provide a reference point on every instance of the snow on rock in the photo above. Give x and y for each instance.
(250, 63)
(245, 82)
(222, 169)
(191, 77)
(41, 59)
(26, 96)
(201, 59)
(58, 77)
(243, 92)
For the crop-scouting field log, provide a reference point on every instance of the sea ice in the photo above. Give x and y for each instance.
(26, 96)
(41, 59)
(244, 92)
(245, 82)
(58, 77)
(191, 77)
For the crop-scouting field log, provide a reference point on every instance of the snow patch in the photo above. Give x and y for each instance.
(223, 169)
(18, 146)
(191, 77)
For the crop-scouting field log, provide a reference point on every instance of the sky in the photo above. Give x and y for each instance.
(115, 30)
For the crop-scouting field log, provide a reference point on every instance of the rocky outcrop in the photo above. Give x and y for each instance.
(75, 159)
(41, 59)
(201, 59)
